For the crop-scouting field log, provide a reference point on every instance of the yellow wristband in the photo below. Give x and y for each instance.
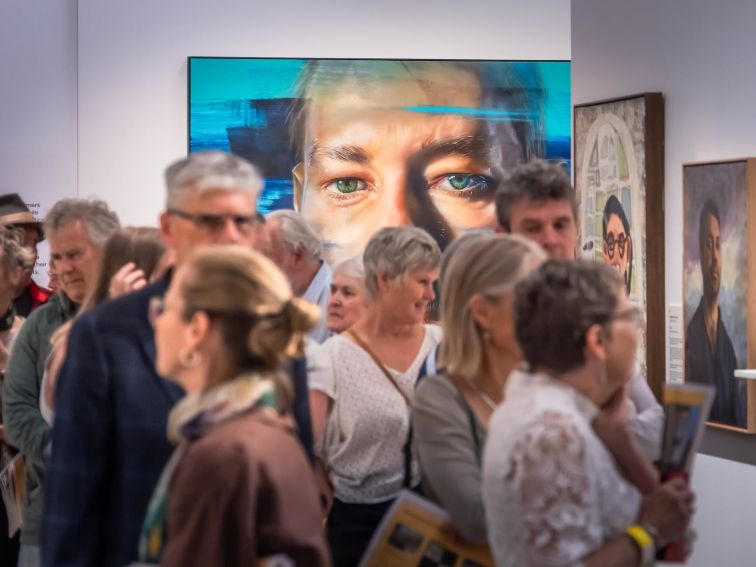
(644, 541)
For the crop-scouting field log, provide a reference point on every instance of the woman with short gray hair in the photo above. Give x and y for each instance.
(347, 301)
(362, 386)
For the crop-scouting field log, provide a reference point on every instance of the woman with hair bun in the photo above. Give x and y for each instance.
(239, 487)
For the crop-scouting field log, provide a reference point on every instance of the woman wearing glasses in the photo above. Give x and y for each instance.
(554, 493)
(238, 487)
(618, 244)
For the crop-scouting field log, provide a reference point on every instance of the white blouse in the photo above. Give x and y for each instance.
(551, 489)
(363, 443)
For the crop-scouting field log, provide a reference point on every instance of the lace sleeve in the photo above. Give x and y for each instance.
(551, 486)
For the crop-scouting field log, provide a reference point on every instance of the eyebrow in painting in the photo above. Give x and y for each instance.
(468, 146)
(352, 154)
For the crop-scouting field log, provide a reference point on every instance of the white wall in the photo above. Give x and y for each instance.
(38, 103)
(700, 55)
(132, 64)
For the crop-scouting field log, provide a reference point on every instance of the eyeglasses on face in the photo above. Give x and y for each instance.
(610, 242)
(631, 315)
(155, 309)
(215, 223)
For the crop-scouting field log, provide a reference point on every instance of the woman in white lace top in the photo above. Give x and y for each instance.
(362, 386)
(553, 493)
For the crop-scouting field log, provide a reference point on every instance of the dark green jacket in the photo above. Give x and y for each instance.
(21, 414)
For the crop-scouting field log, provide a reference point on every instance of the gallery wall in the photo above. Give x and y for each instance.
(132, 64)
(699, 54)
(38, 104)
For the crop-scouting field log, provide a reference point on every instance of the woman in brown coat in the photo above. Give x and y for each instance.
(239, 487)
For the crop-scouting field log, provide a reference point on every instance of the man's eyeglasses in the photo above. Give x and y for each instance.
(631, 315)
(155, 309)
(216, 223)
(610, 242)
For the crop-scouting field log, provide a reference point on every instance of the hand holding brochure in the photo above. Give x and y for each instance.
(687, 408)
(417, 533)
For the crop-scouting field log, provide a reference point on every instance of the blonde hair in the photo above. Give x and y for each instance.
(491, 266)
(13, 254)
(262, 323)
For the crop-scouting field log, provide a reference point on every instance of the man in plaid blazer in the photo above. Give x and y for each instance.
(109, 438)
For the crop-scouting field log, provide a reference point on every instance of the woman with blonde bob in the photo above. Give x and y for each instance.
(239, 487)
(479, 350)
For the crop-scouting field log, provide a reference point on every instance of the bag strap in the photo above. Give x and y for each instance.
(380, 365)
(407, 449)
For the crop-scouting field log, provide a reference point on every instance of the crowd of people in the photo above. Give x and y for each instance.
(212, 392)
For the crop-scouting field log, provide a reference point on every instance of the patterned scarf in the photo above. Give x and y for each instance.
(192, 417)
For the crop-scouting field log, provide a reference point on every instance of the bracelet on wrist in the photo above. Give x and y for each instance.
(645, 542)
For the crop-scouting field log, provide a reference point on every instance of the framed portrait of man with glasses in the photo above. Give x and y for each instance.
(619, 187)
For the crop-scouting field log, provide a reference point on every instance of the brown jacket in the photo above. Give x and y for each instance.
(242, 492)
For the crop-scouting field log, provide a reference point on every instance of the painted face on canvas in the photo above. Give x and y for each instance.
(617, 245)
(711, 256)
(397, 147)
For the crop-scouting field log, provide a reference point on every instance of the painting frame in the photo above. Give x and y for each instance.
(750, 298)
(649, 174)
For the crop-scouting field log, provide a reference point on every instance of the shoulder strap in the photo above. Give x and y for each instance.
(380, 365)
(407, 448)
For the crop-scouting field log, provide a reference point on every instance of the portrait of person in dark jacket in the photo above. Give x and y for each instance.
(709, 353)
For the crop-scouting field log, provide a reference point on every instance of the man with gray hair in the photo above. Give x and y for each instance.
(297, 250)
(77, 229)
(109, 440)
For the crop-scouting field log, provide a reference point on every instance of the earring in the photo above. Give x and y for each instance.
(487, 338)
(188, 358)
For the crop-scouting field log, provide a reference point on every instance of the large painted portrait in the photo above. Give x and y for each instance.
(619, 184)
(717, 272)
(356, 145)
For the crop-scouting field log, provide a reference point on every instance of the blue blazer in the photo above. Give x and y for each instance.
(109, 442)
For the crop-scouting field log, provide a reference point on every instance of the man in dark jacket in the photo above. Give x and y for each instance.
(109, 440)
(77, 230)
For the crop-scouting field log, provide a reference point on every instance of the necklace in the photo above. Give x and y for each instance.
(483, 396)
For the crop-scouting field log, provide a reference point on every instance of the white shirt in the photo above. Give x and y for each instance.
(318, 292)
(552, 491)
(646, 415)
(363, 443)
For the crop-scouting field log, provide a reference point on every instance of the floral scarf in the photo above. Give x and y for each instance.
(192, 417)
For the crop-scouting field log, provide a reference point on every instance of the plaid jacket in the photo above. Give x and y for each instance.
(109, 438)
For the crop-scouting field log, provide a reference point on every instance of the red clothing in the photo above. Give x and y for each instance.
(39, 294)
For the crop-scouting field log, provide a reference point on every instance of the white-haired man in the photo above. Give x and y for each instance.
(297, 250)
(109, 439)
(77, 229)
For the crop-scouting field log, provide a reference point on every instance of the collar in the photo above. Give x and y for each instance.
(521, 382)
(67, 306)
(320, 283)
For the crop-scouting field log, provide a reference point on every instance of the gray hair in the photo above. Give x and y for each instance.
(557, 304)
(396, 251)
(98, 219)
(297, 233)
(351, 268)
(205, 171)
